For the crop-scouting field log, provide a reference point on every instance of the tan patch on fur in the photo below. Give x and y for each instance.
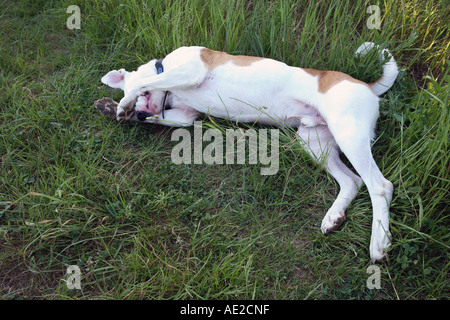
(328, 79)
(212, 59)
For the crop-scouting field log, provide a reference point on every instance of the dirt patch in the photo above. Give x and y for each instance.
(17, 281)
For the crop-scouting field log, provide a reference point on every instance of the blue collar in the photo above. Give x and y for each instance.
(160, 69)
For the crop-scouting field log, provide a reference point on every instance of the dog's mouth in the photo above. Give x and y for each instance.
(144, 107)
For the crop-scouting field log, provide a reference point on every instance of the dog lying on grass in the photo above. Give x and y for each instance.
(332, 111)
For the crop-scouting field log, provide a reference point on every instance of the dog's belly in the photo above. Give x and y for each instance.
(252, 96)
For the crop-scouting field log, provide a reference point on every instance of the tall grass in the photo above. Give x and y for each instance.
(79, 189)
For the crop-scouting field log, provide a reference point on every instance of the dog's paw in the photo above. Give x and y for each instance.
(332, 220)
(129, 100)
(107, 107)
(127, 115)
(380, 241)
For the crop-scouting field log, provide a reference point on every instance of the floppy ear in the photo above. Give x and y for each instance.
(115, 79)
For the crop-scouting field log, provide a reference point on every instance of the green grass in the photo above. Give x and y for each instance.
(79, 189)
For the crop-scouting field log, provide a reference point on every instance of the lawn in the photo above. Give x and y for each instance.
(80, 189)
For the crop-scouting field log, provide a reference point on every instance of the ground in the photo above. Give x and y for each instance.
(78, 188)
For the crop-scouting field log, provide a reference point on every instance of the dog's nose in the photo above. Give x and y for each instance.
(142, 115)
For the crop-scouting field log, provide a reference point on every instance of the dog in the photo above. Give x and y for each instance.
(333, 112)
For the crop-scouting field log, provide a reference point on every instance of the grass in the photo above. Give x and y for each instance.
(79, 189)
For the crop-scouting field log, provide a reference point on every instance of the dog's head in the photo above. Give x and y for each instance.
(146, 105)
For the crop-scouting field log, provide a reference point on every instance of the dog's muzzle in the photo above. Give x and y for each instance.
(142, 115)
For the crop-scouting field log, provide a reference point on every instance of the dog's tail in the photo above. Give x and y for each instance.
(390, 69)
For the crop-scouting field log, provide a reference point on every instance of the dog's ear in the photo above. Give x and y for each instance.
(115, 79)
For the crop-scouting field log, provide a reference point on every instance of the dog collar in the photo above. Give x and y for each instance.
(159, 66)
(160, 69)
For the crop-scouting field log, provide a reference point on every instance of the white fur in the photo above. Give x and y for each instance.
(341, 119)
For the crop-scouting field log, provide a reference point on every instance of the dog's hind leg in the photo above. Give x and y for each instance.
(319, 143)
(352, 127)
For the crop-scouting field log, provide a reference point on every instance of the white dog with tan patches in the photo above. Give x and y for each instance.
(332, 111)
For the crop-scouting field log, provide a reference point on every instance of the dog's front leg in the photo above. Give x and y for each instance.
(177, 117)
(175, 79)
